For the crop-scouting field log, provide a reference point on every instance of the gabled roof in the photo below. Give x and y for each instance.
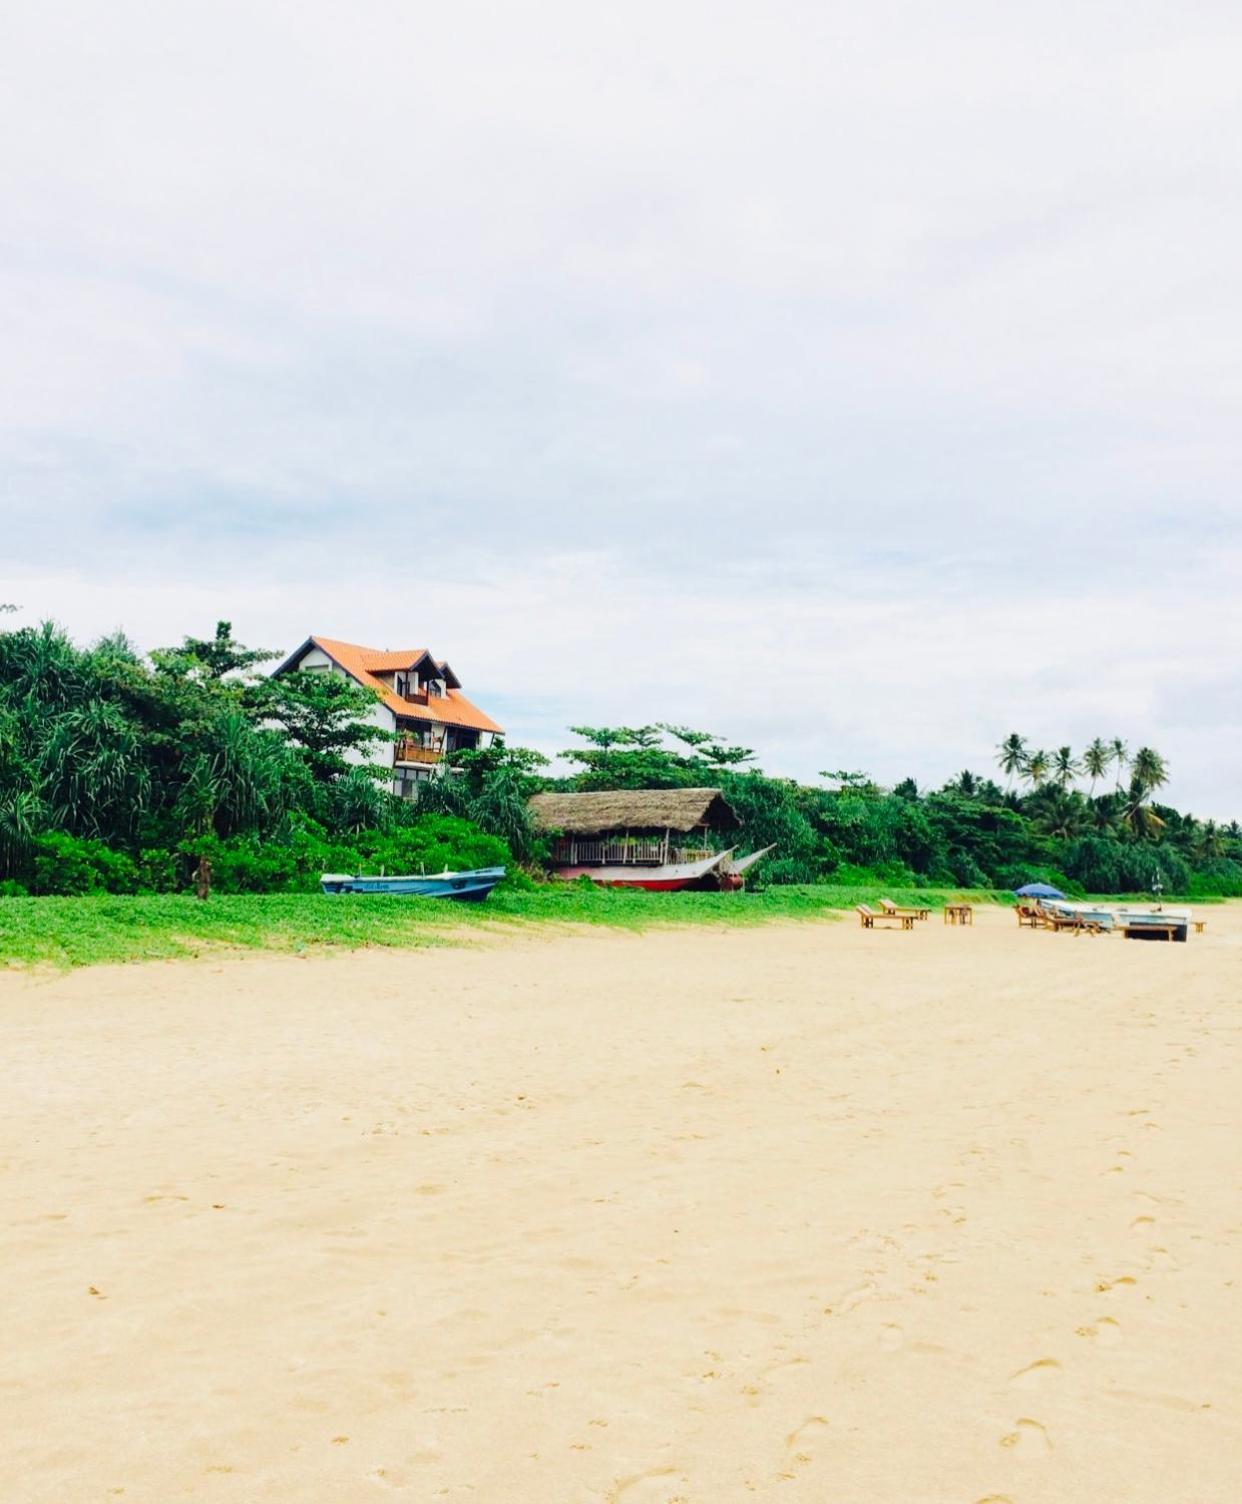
(362, 664)
(632, 809)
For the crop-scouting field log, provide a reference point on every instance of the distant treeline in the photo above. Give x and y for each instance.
(119, 772)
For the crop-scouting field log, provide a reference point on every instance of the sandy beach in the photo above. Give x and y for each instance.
(794, 1213)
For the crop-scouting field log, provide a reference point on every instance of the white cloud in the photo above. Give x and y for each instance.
(858, 381)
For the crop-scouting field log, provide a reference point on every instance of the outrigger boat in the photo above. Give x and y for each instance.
(731, 874)
(465, 887)
(717, 871)
(666, 878)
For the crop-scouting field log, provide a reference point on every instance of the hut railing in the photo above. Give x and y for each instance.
(576, 851)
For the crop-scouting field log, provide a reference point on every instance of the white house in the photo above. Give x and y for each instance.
(419, 699)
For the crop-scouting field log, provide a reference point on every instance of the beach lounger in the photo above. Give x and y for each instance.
(890, 907)
(1028, 916)
(1078, 924)
(869, 918)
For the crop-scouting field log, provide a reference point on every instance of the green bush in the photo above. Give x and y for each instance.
(69, 865)
(11, 888)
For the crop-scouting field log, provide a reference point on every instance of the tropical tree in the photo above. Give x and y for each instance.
(1065, 767)
(1209, 843)
(1036, 768)
(1095, 761)
(1149, 770)
(1141, 820)
(1120, 755)
(212, 657)
(1012, 755)
(326, 716)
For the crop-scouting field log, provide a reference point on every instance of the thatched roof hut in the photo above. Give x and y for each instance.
(633, 809)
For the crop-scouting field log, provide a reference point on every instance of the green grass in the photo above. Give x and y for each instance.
(85, 931)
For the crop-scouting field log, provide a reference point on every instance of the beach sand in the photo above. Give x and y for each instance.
(792, 1213)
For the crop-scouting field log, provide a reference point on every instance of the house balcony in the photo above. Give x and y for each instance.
(414, 752)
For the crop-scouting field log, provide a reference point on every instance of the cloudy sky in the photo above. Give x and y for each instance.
(861, 382)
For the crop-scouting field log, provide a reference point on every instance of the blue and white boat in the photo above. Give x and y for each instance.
(466, 887)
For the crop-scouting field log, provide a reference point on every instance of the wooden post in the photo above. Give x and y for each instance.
(202, 878)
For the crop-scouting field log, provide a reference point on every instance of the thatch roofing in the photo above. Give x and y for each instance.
(632, 809)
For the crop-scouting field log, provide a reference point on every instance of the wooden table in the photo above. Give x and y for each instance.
(1198, 924)
(958, 913)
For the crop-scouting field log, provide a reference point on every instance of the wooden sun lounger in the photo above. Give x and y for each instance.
(868, 918)
(1075, 922)
(1029, 916)
(890, 907)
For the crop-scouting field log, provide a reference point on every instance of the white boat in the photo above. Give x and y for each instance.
(665, 878)
(1140, 922)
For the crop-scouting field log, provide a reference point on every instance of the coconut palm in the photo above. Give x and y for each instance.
(1120, 755)
(1208, 842)
(1065, 767)
(1011, 755)
(1095, 761)
(1063, 814)
(1140, 818)
(1149, 770)
(1036, 769)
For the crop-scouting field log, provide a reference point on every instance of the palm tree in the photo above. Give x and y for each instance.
(1139, 815)
(1209, 843)
(1095, 761)
(1011, 755)
(1065, 767)
(1120, 754)
(1036, 768)
(1149, 770)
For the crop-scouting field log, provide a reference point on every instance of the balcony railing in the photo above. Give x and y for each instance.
(408, 751)
(575, 852)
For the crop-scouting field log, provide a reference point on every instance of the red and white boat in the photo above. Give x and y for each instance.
(666, 878)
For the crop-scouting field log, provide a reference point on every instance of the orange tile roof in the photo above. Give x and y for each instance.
(450, 709)
(386, 663)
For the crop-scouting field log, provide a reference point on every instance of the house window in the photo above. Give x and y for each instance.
(407, 781)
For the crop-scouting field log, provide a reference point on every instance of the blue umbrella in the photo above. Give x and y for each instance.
(1038, 890)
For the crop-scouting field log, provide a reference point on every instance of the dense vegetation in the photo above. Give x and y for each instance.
(119, 773)
(970, 833)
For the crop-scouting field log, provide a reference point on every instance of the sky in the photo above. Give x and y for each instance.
(857, 382)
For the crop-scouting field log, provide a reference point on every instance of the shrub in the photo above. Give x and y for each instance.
(65, 864)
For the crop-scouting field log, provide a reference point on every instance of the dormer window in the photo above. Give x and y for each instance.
(435, 688)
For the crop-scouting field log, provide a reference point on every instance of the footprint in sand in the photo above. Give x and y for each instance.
(798, 1445)
(641, 1488)
(851, 1299)
(892, 1338)
(1161, 1258)
(1029, 1438)
(753, 1393)
(1104, 1330)
(1036, 1374)
(387, 1478)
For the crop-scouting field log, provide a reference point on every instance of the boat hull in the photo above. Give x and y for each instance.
(460, 887)
(668, 878)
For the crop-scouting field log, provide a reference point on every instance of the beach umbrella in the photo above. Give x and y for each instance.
(1038, 890)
